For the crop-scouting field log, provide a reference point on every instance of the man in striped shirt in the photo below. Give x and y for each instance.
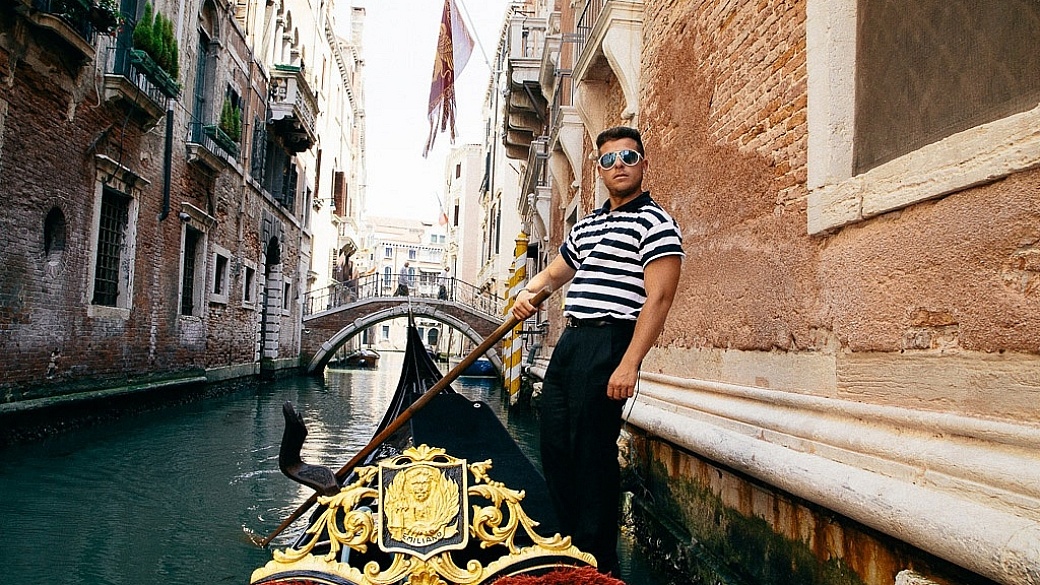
(623, 263)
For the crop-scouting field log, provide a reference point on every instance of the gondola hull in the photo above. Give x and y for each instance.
(449, 499)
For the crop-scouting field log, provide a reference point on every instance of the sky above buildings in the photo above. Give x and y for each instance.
(400, 40)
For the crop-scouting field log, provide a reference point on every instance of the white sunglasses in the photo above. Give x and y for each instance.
(629, 158)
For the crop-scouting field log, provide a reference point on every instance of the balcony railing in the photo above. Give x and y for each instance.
(135, 83)
(586, 21)
(293, 108)
(214, 144)
(74, 13)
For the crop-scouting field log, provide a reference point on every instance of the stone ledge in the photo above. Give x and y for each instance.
(38, 403)
(963, 489)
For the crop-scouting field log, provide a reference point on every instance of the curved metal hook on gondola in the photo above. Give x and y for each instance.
(317, 477)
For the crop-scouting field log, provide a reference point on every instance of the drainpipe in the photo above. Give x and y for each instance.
(168, 153)
(167, 166)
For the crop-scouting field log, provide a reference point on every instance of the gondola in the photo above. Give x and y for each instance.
(482, 368)
(361, 358)
(447, 498)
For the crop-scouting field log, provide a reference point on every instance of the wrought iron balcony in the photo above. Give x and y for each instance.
(586, 21)
(133, 77)
(292, 107)
(609, 46)
(210, 146)
(70, 20)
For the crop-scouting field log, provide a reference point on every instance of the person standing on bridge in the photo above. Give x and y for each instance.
(443, 291)
(624, 260)
(404, 281)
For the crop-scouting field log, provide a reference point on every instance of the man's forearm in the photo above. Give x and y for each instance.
(661, 279)
(648, 327)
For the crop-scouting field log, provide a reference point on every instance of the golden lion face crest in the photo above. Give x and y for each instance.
(421, 506)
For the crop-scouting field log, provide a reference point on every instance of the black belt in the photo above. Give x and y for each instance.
(603, 322)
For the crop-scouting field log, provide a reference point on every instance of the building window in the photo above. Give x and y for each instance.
(387, 275)
(412, 254)
(385, 332)
(285, 297)
(280, 175)
(931, 68)
(200, 109)
(432, 336)
(939, 96)
(109, 281)
(113, 240)
(249, 285)
(191, 265)
(458, 170)
(54, 236)
(258, 158)
(219, 293)
(339, 193)
(388, 252)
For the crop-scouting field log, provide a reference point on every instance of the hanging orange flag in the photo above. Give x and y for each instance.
(454, 46)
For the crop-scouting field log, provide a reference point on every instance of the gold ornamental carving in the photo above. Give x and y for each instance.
(416, 507)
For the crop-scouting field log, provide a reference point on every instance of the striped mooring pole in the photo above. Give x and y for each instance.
(514, 344)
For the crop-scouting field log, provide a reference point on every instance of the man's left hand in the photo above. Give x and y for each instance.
(622, 383)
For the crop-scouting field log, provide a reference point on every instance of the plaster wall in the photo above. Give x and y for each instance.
(845, 313)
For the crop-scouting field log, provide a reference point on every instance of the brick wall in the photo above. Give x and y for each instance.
(55, 128)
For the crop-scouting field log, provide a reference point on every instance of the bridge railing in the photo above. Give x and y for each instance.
(386, 286)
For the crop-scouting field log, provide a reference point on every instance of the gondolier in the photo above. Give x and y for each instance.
(623, 262)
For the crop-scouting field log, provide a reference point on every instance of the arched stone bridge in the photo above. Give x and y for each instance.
(344, 315)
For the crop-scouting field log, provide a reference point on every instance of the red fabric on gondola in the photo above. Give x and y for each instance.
(568, 576)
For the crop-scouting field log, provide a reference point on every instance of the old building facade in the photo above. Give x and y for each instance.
(845, 390)
(160, 177)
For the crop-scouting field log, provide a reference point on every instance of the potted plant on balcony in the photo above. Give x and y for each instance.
(229, 129)
(231, 120)
(155, 51)
(105, 16)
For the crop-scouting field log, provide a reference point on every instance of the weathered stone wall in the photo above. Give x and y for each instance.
(785, 351)
(724, 115)
(748, 532)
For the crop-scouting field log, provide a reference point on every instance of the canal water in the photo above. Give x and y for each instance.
(172, 496)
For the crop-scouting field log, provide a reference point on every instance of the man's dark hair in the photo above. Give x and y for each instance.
(617, 133)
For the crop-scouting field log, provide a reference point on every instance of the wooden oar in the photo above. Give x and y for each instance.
(416, 406)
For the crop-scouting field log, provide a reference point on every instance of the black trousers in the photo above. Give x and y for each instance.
(580, 425)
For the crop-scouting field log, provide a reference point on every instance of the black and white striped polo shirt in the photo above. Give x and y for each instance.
(608, 249)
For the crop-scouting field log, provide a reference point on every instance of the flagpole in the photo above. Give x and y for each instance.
(476, 37)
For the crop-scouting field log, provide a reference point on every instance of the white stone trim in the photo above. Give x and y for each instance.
(975, 156)
(966, 490)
